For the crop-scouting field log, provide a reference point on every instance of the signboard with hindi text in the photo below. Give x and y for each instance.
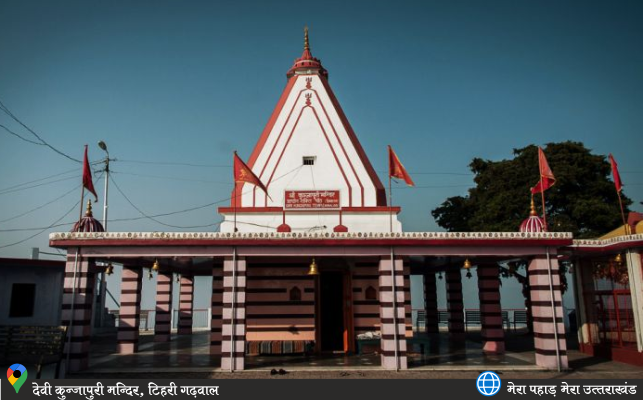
(311, 199)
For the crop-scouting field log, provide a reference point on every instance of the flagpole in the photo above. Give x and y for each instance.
(390, 202)
(82, 198)
(625, 225)
(542, 195)
(234, 198)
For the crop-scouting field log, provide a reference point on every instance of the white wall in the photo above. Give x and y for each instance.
(309, 125)
(49, 286)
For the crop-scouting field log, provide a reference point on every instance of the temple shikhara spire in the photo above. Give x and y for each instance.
(316, 173)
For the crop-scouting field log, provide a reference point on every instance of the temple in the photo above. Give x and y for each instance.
(318, 176)
(321, 264)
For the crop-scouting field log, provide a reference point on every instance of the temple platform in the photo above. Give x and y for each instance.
(190, 353)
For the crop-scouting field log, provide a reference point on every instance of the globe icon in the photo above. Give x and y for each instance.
(488, 383)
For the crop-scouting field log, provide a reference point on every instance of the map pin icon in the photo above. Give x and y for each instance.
(17, 375)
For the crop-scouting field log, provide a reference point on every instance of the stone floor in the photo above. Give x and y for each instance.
(191, 353)
(188, 357)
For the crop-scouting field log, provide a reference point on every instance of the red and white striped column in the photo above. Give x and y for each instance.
(233, 330)
(217, 310)
(163, 315)
(431, 304)
(493, 334)
(186, 301)
(455, 305)
(392, 315)
(129, 316)
(77, 345)
(545, 331)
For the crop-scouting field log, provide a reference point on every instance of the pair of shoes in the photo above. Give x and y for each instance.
(282, 372)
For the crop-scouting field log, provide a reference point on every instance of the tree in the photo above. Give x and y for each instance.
(582, 201)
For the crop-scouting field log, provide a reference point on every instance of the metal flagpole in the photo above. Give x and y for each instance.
(82, 199)
(542, 194)
(625, 225)
(553, 309)
(234, 195)
(390, 201)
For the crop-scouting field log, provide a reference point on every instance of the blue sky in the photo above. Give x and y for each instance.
(188, 82)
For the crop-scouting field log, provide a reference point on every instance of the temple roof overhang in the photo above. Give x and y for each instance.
(74, 239)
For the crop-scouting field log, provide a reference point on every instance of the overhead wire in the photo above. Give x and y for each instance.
(48, 227)
(111, 178)
(40, 179)
(169, 177)
(38, 185)
(171, 163)
(6, 110)
(19, 136)
(40, 206)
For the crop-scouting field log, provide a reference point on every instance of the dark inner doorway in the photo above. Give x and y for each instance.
(332, 311)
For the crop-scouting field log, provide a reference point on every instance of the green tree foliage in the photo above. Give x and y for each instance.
(583, 200)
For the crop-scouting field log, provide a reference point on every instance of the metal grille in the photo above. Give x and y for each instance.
(615, 317)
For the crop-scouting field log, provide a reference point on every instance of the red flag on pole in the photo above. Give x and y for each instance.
(396, 169)
(547, 178)
(87, 177)
(615, 174)
(242, 173)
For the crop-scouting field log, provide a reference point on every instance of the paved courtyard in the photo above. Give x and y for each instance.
(188, 357)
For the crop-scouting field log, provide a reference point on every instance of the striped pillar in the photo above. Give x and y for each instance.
(163, 315)
(455, 305)
(79, 335)
(217, 310)
(392, 320)
(541, 309)
(635, 272)
(129, 320)
(493, 334)
(431, 303)
(233, 332)
(186, 298)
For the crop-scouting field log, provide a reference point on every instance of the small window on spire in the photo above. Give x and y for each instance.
(309, 160)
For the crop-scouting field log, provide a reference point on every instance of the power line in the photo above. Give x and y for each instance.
(44, 229)
(41, 206)
(155, 215)
(9, 113)
(38, 185)
(169, 178)
(40, 180)
(170, 163)
(149, 217)
(20, 137)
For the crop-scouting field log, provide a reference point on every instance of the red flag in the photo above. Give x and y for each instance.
(615, 174)
(396, 169)
(87, 176)
(242, 173)
(547, 178)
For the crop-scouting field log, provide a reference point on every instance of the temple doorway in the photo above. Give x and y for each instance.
(332, 311)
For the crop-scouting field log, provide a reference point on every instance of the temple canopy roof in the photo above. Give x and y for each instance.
(88, 223)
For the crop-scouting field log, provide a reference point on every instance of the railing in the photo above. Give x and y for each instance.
(471, 317)
(200, 318)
